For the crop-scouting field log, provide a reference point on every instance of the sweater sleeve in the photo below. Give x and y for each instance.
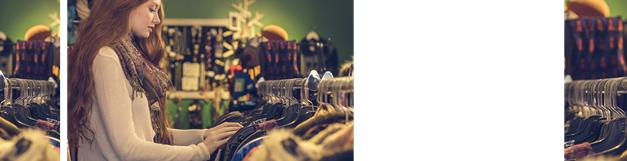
(187, 137)
(114, 105)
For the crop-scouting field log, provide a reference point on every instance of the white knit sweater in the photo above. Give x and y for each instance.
(122, 126)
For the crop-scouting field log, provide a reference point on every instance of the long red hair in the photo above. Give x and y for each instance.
(108, 22)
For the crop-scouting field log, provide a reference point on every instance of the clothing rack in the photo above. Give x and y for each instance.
(599, 125)
(622, 87)
(32, 109)
(290, 103)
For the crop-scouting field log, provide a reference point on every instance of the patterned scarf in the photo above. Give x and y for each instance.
(145, 77)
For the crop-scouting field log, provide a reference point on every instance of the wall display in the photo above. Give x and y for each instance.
(222, 55)
(191, 76)
(212, 48)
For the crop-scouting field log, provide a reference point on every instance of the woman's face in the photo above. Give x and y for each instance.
(144, 18)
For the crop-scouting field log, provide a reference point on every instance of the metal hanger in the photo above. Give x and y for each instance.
(612, 93)
(595, 95)
(274, 92)
(615, 136)
(292, 84)
(352, 97)
(8, 102)
(6, 85)
(336, 86)
(22, 90)
(290, 112)
(32, 89)
(582, 130)
(36, 110)
(20, 110)
(578, 94)
(324, 92)
(261, 91)
(348, 92)
(282, 92)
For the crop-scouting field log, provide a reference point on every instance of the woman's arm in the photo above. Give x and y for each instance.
(114, 106)
(187, 137)
(194, 136)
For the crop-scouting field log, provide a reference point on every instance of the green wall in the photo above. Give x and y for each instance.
(617, 8)
(331, 18)
(17, 16)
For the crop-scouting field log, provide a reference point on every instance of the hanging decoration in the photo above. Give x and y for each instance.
(247, 28)
(55, 18)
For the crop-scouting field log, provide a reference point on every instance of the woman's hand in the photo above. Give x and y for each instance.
(216, 136)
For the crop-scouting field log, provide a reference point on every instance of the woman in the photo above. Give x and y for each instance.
(116, 93)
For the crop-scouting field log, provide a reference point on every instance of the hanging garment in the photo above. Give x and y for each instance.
(4, 134)
(341, 156)
(46, 126)
(29, 144)
(322, 135)
(594, 48)
(266, 125)
(340, 141)
(311, 55)
(32, 60)
(283, 144)
(323, 115)
(317, 129)
(599, 158)
(231, 145)
(9, 127)
(578, 151)
(56, 144)
(224, 117)
(246, 158)
(243, 152)
(279, 60)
